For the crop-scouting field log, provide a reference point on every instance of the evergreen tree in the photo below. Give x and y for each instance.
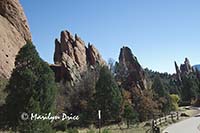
(197, 102)
(31, 89)
(190, 88)
(161, 95)
(130, 114)
(158, 87)
(108, 97)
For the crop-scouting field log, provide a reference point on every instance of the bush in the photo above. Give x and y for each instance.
(174, 99)
(184, 103)
(197, 102)
(72, 130)
(91, 131)
(130, 114)
(60, 126)
(106, 131)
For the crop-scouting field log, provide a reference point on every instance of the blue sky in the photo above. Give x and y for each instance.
(158, 31)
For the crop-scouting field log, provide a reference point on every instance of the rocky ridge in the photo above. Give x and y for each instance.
(184, 69)
(72, 57)
(130, 71)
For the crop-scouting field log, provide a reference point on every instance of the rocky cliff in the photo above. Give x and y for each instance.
(72, 57)
(129, 72)
(14, 32)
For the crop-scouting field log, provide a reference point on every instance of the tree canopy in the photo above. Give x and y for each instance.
(31, 89)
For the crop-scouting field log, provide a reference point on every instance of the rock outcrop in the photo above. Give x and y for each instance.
(178, 72)
(72, 57)
(184, 69)
(130, 72)
(14, 32)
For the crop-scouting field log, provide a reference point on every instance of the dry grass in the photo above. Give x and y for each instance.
(141, 128)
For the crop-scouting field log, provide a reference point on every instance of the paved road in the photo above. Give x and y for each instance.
(190, 125)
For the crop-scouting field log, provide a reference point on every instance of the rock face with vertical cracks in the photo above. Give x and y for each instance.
(14, 32)
(130, 73)
(72, 57)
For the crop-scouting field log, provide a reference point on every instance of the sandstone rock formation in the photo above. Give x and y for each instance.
(178, 72)
(130, 72)
(14, 32)
(184, 69)
(72, 57)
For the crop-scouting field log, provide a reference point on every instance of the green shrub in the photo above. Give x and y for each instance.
(72, 130)
(130, 114)
(175, 99)
(106, 131)
(91, 131)
(60, 126)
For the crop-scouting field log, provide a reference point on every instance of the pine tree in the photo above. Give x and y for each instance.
(189, 89)
(161, 95)
(158, 87)
(130, 114)
(108, 97)
(31, 89)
